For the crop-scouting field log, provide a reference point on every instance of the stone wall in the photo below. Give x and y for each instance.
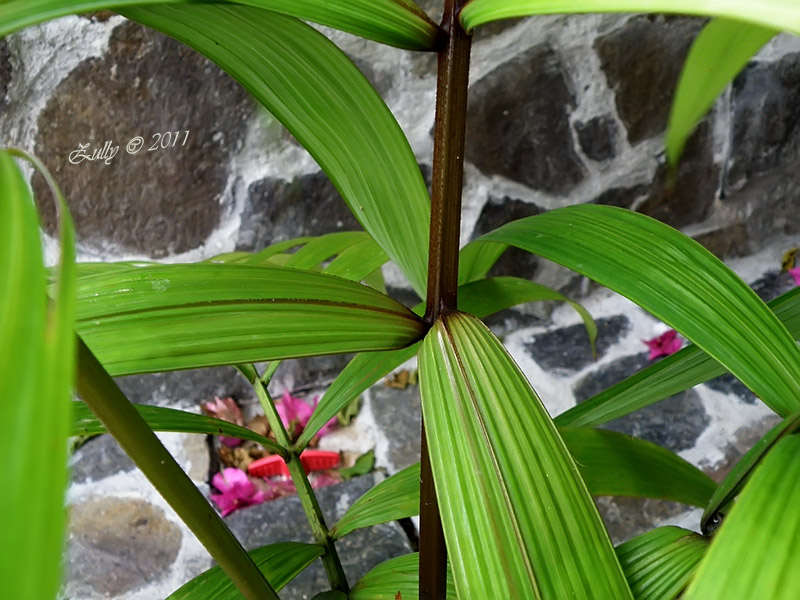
(561, 111)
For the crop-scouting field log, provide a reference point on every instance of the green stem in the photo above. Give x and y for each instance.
(101, 394)
(330, 559)
(448, 174)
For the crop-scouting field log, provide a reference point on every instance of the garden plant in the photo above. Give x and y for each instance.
(504, 492)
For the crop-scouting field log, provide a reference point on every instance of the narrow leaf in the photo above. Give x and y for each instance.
(395, 578)
(754, 554)
(280, 563)
(187, 316)
(729, 489)
(613, 464)
(658, 564)
(670, 375)
(160, 418)
(327, 104)
(37, 357)
(395, 22)
(678, 281)
(778, 14)
(717, 55)
(394, 498)
(495, 451)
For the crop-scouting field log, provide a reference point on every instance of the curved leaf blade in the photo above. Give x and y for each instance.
(395, 578)
(729, 489)
(678, 281)
(398, 23)
(394, 498)
(311, 87)
(754, 554)
(495, 450)
(717, 55)
(613, 464)
(777, 14)
(658, 564)
(185, 316)
(670, 375)
(280, 563)
(37, 358)
(160, 418)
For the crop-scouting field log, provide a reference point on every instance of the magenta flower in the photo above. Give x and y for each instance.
(237, 491)
(227, 410)
(795, 273)
(295, 414)
(665, 344)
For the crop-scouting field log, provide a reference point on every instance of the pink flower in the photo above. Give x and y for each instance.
(237, 491)
(665, 344)
(795, 273)
(227, 410)
(295, 414)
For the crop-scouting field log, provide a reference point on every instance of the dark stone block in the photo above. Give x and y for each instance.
(117, 545)
(766, 120)
(518, 123)
(674, 423)
(772, 284)
(284, 520)
(6, 71)
(688, 196)
(598, 138)
(278, 210)
(497, 212)
(567, 350)
(152, 202)
(621, 197)
(642, 62)
(99, 458)
(628, 517)
(730, 241)
(398, 414)
(185, 388)
(510, 320)
(728, 384)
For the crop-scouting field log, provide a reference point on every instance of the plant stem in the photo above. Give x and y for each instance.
(448, 175)
(330, 559)
(101, 394)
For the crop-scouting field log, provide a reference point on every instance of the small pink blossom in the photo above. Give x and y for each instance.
(296, 413)
(323, 479)
(237, 491)
(665, 344)
(795, 273)
(227, 410)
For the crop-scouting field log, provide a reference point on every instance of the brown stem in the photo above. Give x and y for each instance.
(448, 175)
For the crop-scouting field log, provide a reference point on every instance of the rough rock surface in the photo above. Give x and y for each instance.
(518, 123)
(118, 545)
(152, 202)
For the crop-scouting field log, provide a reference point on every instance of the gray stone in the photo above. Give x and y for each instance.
(623, 197)
(499, 211)
(99, 458)
(118, 545)
(674, 423)
(518, 126)
(598, 137)
(642, 62)
(312, 373)
(152, 202)
(766, 120)
(686, 197)
(398, 414)
(628, 517)
(185, 388)
(510, 320)
(278, 210)
(729, 241)
(742, 440)
(772, 284)
(567, 350)
(728, 384)
(6, 71)
(284, 520)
